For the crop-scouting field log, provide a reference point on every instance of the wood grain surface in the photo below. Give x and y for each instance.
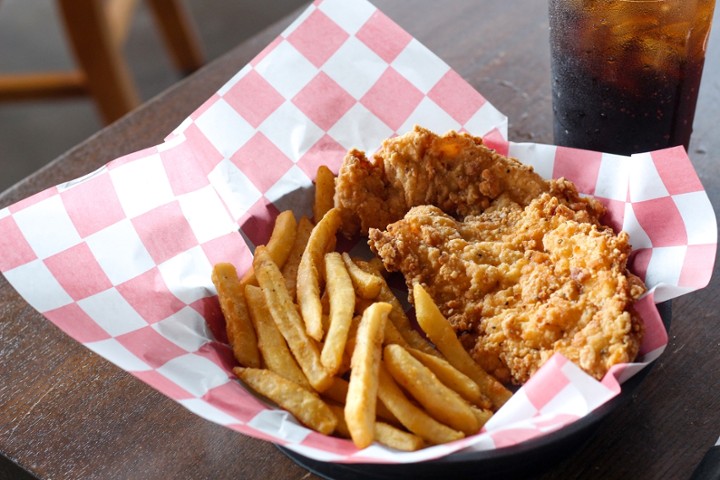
(67, 413)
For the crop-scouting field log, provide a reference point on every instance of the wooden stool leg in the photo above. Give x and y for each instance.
(178, 32)
(108, 77)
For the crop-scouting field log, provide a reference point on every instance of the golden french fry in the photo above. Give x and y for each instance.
(288, 320)
(393, 336)
(398, 439)
(361, 304)
(338, 390)
(308, 277)
(385, 433)
(377, 266)
(274, 350)
(444, 404)
(409, 415)
(482, 415)
(324, 192)
(282, 237)
(342, 306)
(280, 243)
(240, 331)
(367, 284)
(360, 404)
(398, 316)
(289, 270)
(402, 322)
(351, 337)
(438, 329)
(452, 377)
(304, 404)
(341, 429)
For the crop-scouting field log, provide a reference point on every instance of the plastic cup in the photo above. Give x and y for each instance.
(626, 73)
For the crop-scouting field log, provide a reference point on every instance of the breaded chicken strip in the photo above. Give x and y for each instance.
(454, 172)
(521, 283)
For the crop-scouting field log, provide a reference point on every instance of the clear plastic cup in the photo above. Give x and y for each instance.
(626, 73)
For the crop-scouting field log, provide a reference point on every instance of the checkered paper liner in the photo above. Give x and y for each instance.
(121, 259)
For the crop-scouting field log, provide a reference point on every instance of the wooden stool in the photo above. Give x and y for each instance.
(96, 30)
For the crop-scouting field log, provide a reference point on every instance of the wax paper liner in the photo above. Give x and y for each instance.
(121, 259)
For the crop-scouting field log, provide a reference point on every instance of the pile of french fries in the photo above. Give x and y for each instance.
(321, 335)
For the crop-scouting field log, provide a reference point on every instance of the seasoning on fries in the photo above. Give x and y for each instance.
(368, 284)
(309, 271)
(240, 332)
(321, 334)
(439, 400)
(410, 415)
(362, 391)
(452, 377)
(274, 351)
(304, 404)
(342, 306)
(443, 336)
(288, 320)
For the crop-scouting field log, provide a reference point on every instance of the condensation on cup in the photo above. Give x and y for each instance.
(626, 73)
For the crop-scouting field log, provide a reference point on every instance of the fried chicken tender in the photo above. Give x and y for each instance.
(454, 172)
(519, 283)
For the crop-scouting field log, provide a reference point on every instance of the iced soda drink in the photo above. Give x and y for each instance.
(626, 73)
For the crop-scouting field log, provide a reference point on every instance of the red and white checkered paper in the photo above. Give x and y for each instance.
(121, 259)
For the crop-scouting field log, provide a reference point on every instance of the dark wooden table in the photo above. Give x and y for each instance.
(68, 413)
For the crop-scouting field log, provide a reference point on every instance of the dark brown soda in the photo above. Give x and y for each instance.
(623, 81)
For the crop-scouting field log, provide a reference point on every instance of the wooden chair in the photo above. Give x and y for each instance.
(96, 31)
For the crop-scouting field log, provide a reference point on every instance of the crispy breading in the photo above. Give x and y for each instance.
(519, 283)
(454, 172)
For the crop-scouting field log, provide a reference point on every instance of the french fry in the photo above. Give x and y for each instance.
(280, 243)
(282, 237)
(308, 315)
(288, 320)
(360, 404)
(398, 439)
(361, 304)
(398, 316)
(444, 404)
(350, 345)
(337, 392)
(289, 270)
(308, 277)
(385, 433)
(438, 329)
(324, 192)
(482, 415)
(342, 306)
(452, 377)
(367, 284)
(341, 429)
(240, 331)
(274, 350)
(402, 322)
(304, 404)
(376, 265)
(409, 415)
(393, 336)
